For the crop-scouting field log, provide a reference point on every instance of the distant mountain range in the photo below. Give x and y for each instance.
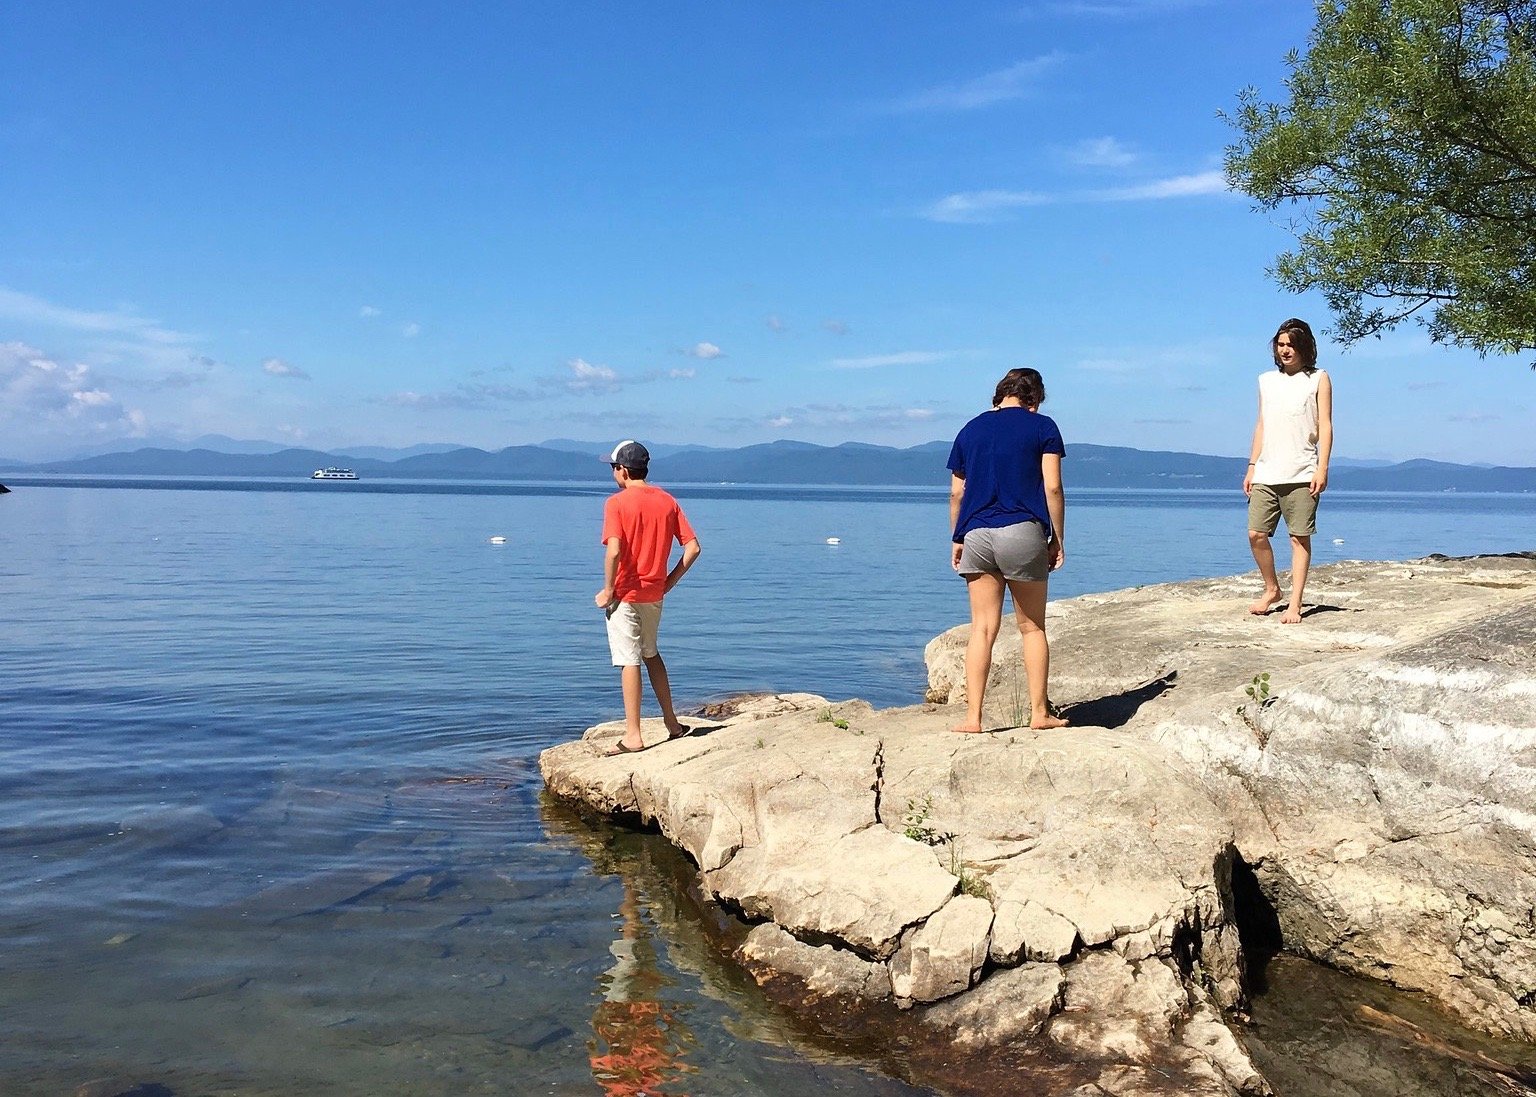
(785, 462)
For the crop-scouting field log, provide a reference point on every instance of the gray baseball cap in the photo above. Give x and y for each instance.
(630, 454)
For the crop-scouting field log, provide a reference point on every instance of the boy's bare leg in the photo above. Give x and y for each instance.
(1301, 561)
(629, 681)
(1029, 611)
(986, 595)
(1264, 556)
(662, 687)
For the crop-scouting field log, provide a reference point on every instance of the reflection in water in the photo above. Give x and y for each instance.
(639, 1039)
(673, 965)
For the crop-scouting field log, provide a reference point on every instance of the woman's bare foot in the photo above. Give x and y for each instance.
(1291, 616)
(1047, 722)
(1266, 602)
(967, 729)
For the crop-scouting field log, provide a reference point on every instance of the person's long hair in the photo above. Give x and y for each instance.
(1025, 383)
(1302, 340)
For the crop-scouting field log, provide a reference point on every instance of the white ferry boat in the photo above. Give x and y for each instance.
(333, 473)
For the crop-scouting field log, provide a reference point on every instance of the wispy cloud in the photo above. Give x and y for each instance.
(989, 206)
(410, 331)
(26, 308)
(839, 417)
(276, 367)
(1117, 9)
(585, 377)
(776, 323)
(1099, 152)
(836, 327)
(1014, 82)
(900, 358)
(1179, 186)
(368, 312)
(706, 351)
(579, 378)
(36, 388)
(466, 396)
(1171, 362)
(982, 206)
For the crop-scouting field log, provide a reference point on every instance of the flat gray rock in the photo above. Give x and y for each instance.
(1383, 798)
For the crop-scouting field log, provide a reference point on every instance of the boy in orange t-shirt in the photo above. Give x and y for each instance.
(640, 522)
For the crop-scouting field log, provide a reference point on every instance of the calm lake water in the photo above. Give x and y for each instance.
(270, 815)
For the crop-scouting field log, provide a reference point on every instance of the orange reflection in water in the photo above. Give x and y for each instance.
(639, 1039)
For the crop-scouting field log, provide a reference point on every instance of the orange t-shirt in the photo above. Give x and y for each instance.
(646, 521)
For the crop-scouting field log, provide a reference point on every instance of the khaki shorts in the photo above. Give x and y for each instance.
(1267, 503)
(632, 630)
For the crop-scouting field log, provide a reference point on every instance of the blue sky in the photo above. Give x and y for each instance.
(345, 224)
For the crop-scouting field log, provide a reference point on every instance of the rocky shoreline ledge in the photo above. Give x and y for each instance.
(1106, 895)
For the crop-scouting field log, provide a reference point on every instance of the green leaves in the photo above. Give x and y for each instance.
(1407, 156)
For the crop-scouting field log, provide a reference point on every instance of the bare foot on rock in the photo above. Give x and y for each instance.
(967, 729)
(1265, 602)
(1046, 723)
(1291, 616)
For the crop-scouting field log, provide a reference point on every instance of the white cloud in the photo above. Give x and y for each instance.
(918, 415)
(368, 312)
(34, 388)
(836, 327)
(680, 374)
(901, 358)
(987, 206)
(1179, 186)
(779, 422)
(1123, 9)
(26, 308)
(1099, 152)
(1014, 82)
(410, 331)
(776, 323)
(585, 377)
(982, 206)
(278, 368)
(706, 351)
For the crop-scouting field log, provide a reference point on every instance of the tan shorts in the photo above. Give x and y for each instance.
(1267, 503)
(632, 630)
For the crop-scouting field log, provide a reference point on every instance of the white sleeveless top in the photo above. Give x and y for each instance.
(1288, 410)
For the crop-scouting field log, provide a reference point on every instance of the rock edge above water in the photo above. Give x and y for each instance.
(1089, 892)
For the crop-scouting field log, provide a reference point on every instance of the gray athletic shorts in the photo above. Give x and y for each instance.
(1016, 552)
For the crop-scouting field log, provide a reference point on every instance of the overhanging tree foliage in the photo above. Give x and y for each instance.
(1408, 150)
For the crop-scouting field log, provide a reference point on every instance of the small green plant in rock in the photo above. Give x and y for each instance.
(759, 745)
(840, 723)
(971, 882)
(915, 823)
(1258, 690)
(824, 716)
(1259, 699)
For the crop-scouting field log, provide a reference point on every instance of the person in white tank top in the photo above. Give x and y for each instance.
(1288, 464)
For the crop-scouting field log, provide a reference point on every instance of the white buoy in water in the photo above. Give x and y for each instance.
(834, 540)
(498, 540)
(1338, 540)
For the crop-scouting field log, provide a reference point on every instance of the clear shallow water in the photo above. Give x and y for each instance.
(268, 804)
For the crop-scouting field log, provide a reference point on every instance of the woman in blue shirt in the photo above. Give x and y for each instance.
(1008, 512)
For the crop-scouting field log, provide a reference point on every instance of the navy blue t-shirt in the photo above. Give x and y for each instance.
(998, 455)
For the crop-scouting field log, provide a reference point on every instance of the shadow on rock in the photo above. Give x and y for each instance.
(1118, 709)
